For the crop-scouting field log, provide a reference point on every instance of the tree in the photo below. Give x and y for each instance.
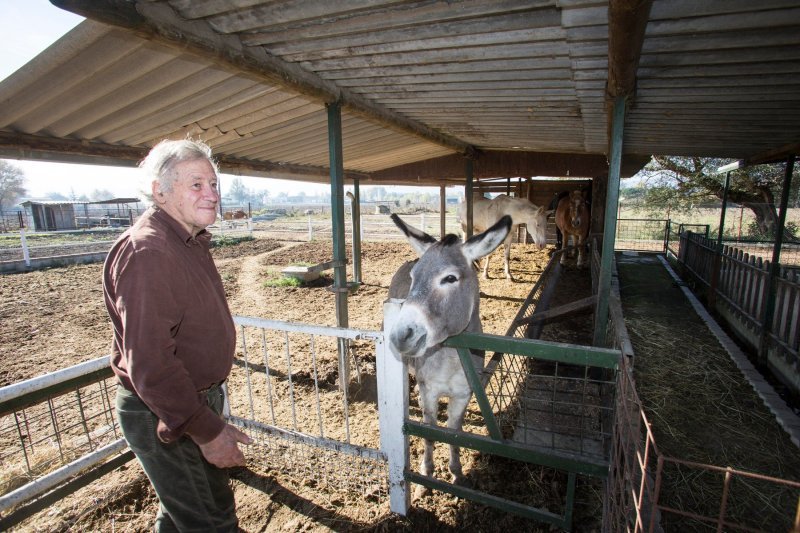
(12, 180)
(101, 194)
(239, 192)
(680, 180)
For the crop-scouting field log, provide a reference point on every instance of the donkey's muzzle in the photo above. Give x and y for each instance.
(409, 340)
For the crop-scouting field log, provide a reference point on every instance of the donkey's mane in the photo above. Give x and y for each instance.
(450, 239)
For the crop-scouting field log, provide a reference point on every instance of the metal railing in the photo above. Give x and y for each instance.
(58, 432)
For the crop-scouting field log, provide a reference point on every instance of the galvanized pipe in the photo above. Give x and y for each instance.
(11, 392)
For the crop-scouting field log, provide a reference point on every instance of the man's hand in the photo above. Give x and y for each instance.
(223, 451)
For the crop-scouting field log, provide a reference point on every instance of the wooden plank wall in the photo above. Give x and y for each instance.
(741, 295)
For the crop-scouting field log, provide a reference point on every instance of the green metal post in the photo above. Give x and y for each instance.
(766, 329)
(712, 289)
(337, 221)
(442, 211)
(468, 192)
(356, 214)
(480, 394)
(610, 223)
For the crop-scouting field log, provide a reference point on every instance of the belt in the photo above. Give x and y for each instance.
(212, 387)
(201, 391)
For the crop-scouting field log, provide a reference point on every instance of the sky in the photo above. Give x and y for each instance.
(29, 27)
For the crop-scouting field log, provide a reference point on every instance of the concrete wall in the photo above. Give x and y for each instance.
(40, 263)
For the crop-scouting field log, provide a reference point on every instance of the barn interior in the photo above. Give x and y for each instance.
(415, 93)
(488, 96)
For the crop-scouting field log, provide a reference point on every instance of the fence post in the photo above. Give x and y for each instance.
(26, 255)
(712, 289)
(442, 211)
(355, 213)
(392, 382)
(610, 223)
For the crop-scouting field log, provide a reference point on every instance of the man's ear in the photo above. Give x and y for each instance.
(158, 194)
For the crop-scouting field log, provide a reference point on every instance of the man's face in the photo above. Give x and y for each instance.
(193, 198)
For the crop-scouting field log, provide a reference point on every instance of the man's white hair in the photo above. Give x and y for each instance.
(160, 162)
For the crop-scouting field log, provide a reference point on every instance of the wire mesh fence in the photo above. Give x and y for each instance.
(649, 491)
(285, 392)
(641, 234)
(50, 425)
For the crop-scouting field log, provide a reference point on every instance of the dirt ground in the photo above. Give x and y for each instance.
(56, 318)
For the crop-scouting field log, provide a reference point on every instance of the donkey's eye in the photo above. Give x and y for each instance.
(449, 279)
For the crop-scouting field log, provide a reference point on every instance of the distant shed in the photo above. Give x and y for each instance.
(51, 215)
(64, 215)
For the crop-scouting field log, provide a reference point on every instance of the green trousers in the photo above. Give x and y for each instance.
(193, 494)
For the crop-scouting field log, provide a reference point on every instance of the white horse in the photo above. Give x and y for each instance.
(442, 299)
(486, 212)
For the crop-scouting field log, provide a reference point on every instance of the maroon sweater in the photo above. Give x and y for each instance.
(173, 330)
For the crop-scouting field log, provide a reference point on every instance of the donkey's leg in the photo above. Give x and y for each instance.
(456, 407)
(430, 405)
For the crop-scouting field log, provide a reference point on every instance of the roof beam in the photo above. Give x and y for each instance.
(153, 20)
(627, 21)
(23, 146)
(501, 164)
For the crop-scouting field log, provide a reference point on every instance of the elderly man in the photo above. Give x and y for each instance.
(173, 343)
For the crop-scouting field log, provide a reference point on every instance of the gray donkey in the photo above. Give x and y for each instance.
(442, 299)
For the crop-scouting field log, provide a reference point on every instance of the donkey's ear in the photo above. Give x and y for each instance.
(419, 240)
(485, 243)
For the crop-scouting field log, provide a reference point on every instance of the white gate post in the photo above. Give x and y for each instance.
(25, 252)
(392, 375)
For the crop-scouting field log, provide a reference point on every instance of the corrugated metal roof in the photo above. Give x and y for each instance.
(417, 80)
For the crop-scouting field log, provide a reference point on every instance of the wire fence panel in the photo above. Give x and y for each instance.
(649, 491)
(48, 424)
(285, 392)
(641, 234)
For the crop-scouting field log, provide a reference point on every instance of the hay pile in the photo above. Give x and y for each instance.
(703, 410)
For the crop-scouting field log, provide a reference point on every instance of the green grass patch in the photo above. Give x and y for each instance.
(221, 242)
(275, 278)
(283, 281)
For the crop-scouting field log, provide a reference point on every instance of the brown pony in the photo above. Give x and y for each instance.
(572, 218)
